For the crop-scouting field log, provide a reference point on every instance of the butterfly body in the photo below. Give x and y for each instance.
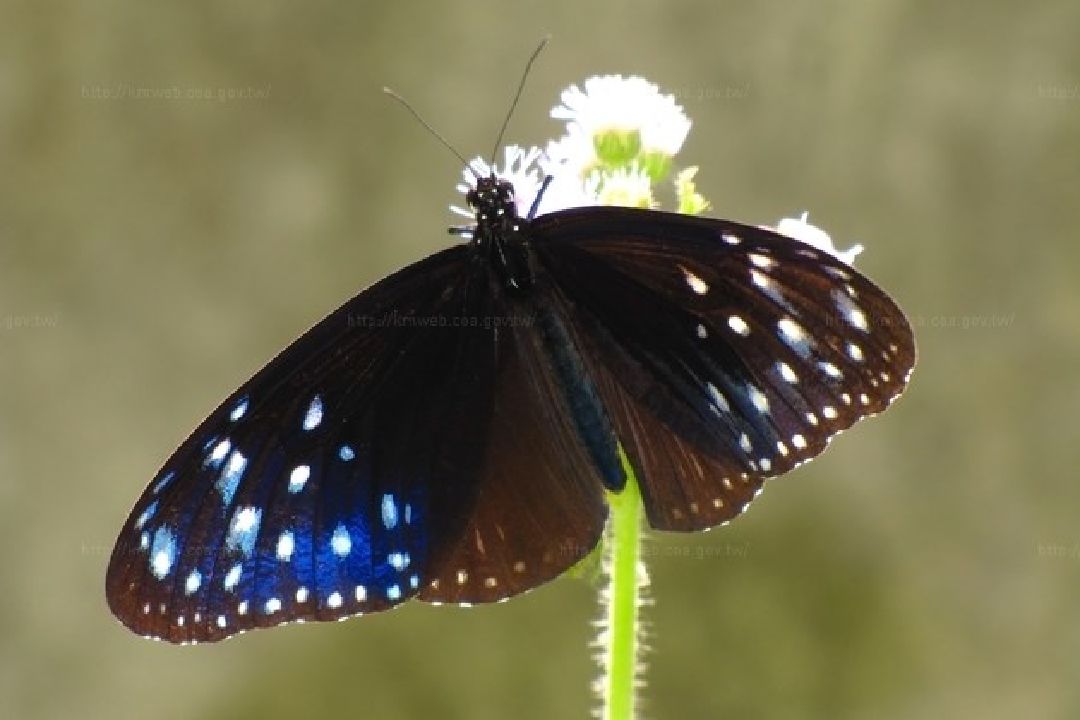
(449, 433)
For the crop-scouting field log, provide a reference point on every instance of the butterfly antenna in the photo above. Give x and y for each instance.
(433, 131)
(517, 95)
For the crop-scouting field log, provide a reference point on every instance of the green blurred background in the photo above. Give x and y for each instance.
(156, 251)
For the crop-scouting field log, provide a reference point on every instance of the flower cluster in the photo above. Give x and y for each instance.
(621, 139)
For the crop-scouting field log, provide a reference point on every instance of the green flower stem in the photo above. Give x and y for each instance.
(620, 638)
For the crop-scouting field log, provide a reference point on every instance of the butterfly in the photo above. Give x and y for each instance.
(449, 433)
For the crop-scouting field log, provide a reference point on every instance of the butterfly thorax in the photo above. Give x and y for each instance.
(498, 232)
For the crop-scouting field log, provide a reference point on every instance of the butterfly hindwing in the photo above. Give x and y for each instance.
(725, 353)
(318, 489)
(540, 503)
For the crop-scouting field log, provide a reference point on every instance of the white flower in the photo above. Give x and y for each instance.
(624, 187)
(613, 106)
(612, 102)
(799, 229)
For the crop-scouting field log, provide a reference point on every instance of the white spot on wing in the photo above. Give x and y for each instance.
(794, 336)
(240, 409)
(194, 580)
(761, 261)
(165, 480)
(786, 373)
(696, 284)
(286, 543)
(219, 452)
(230, 477)
(389, 512)
(758, 398)
(340, 541)
(298, 478)
(162, 552)
(719, 402)
(243, 530)
(232, 578)
(314, 414)
(831, 370)
(739, 325)
(851, 312)
(146, 515)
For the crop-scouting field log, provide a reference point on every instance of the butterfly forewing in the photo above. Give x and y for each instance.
(317, 490)
(726, 353)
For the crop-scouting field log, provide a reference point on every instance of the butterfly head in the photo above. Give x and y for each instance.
(493, 201)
